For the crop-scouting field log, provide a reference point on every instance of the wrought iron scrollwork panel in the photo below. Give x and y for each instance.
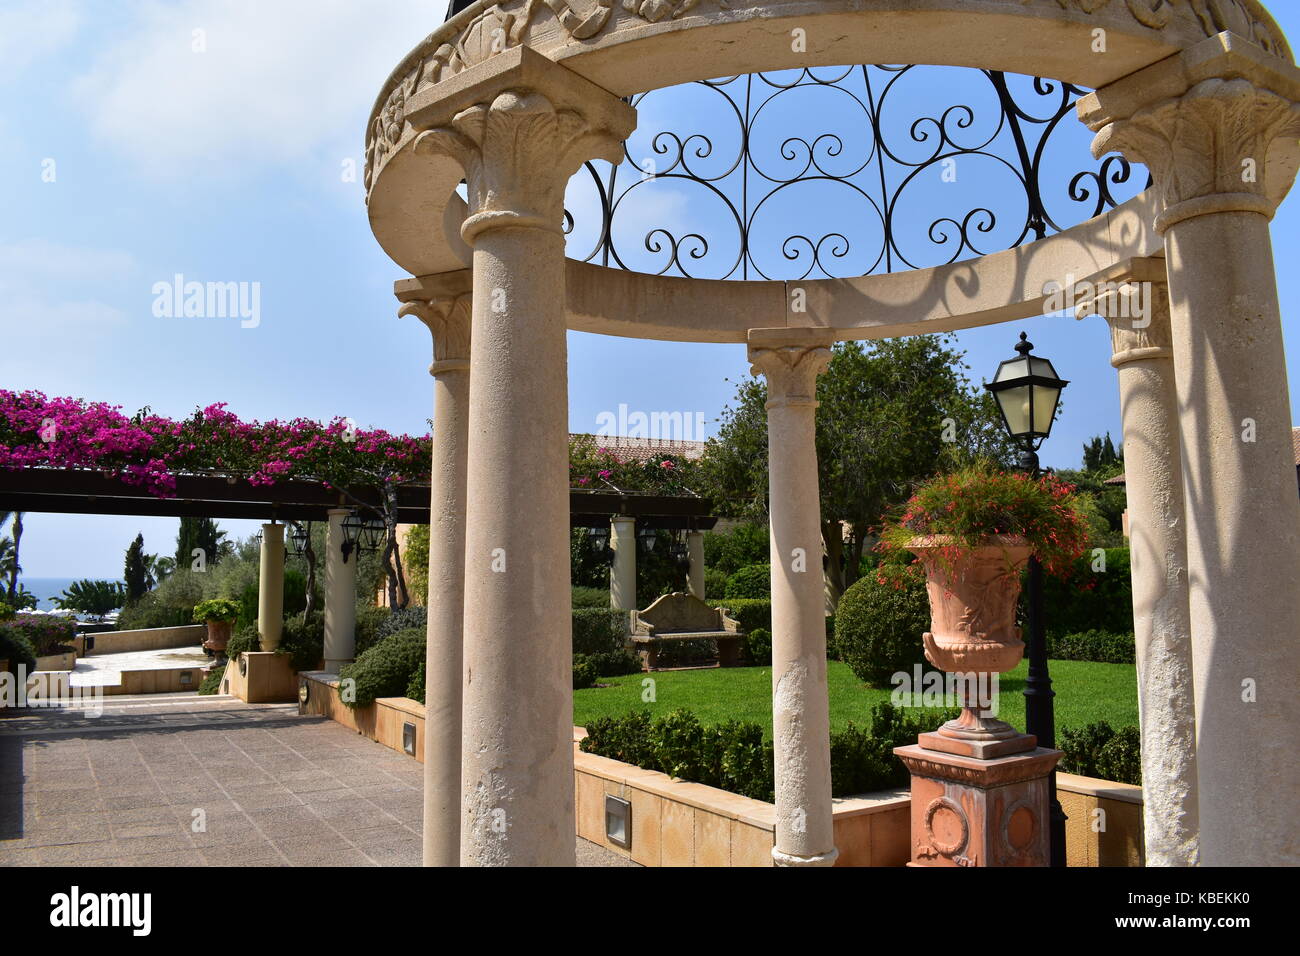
(840, 171)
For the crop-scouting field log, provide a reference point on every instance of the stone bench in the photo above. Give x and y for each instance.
(684, 617)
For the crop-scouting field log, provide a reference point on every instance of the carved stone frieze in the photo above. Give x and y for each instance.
(465, 41)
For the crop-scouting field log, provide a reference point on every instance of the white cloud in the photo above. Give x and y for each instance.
(277, 83)
(33, 29)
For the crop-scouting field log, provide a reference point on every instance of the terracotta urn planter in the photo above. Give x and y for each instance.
(219, 636)
(973, 594)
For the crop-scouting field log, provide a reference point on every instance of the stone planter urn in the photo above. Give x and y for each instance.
(973, 594)
(218, 637)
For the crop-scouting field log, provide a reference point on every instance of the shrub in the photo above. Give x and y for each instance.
(211, 684)
(729, 551)
(734, 756)
(1099, 750)
(216, 609)
(590, 597)
(1088, 600)
(584, 671)
(599, 630)
(879, 623)
(749, 613)
(403, 619)
(386, 668)
(6, 612)
(754, 581)
(369, 620)
(715, 582)
(415, 689)
(16, 649)
(303, 641)
(687, 653)
(1100, 646)
(45, 634)
(244, 639)
(758, 646)
(615, 664)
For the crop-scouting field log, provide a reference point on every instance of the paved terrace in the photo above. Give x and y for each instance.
(276, 789)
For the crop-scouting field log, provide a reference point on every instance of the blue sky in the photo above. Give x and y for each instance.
(229, 165)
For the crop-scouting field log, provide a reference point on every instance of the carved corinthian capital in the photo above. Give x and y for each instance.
(445, 305)
(518, 152)
(790, 360)
(1137, 338)
(1207, 149)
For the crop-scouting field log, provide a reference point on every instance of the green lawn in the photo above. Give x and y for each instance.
(1085, 692)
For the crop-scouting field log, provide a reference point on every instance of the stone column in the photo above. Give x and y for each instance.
(270, 587)
(530, 128)
(791, 360)
(340, 595)
(622, 570)
(1208, 146)
(1153, 478)
(695, 556)
(446, 312)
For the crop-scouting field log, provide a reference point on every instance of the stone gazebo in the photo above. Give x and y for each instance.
(514, 97)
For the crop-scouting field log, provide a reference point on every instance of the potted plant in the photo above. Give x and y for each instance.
(973, 531)
(219, 614)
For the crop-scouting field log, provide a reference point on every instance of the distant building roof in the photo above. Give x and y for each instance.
(642, 449)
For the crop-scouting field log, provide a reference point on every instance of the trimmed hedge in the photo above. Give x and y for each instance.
(584, 671)
(599, 630)
(386, 669)
(414, 616)
(733, 755)
(750, 613)
(878, 626)
(303, 642)
(754, 581)
(369, 620)
(415, 688)
(1089, 600)
(1099, 646)
(590, 597)
(1099, 750)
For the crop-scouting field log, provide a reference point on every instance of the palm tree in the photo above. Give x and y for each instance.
(9, 565)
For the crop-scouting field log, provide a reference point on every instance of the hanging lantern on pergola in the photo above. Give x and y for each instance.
(646, 535)
(299, 538)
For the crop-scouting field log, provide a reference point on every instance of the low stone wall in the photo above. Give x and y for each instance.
(1104, 825)
(57, 662)
(260, 677)
(145, 639)
(677, 823)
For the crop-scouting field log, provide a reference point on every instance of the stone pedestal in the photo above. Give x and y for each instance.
(972, 812)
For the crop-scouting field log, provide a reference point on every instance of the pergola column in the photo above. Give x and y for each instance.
(695, 563)
(1207, 143)
(530, 128)
(791, 361)
(270, 587)
(445, 307)
(622, 570)
(1153, 477)
(340, 595)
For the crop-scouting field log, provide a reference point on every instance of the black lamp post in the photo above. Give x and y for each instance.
(1027, 390)
(646, 536)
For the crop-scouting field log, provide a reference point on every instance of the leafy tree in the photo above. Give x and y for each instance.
(1101, 462)
(93, 597)
(892, 413)
(136, 571)
(9, 548)
(201, 534)
(1099, 454)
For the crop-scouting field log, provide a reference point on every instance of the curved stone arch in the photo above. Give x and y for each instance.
(648, 44)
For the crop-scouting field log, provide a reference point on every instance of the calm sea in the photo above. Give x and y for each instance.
(46, 588)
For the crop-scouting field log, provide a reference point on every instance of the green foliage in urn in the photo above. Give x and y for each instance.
(965, 509)
(216, 609)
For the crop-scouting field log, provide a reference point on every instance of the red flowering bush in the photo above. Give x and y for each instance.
(972, 505)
